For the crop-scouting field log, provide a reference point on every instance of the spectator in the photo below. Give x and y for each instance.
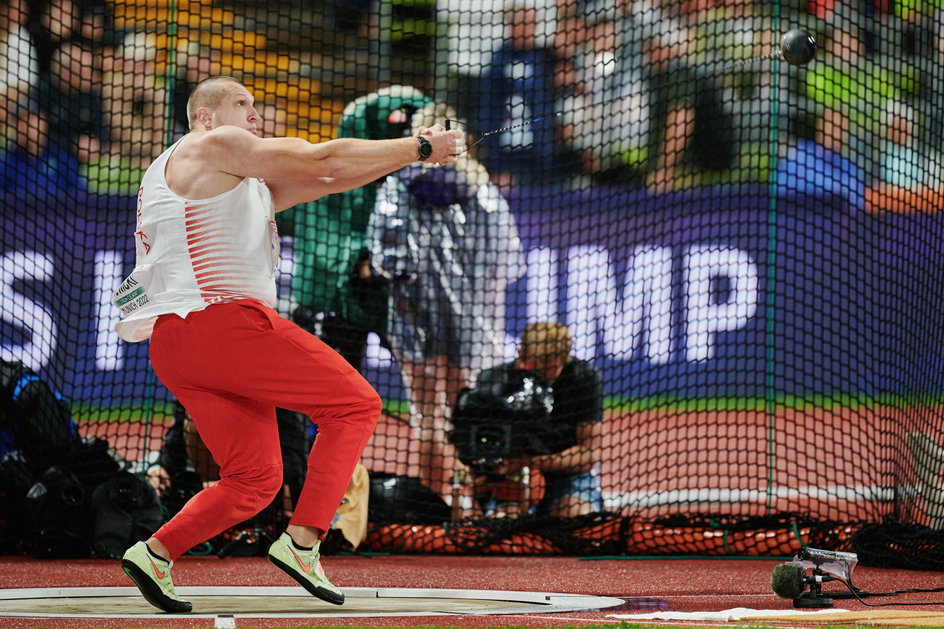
(849, 80)
(930, 103)
(447, 241)
(96, 24)
(653, 83)
(195, 63)
(605, 104)
(907, 174)
(672, 121)
(616, 118)
(62, 19)
(55, 22)
(70, 93)
(135, 99)
(723, 33)
(688, 124)
(19, 61)
(134, 111)
(332, 273)
(637, 22)
(569, 48)
(823, 165)
(727, 34)
(52, 24)
(32, 164)
(571, 469)
(471, 37)
(519, 85)
(903, 161)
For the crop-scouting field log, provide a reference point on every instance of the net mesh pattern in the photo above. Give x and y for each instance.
(746, 254)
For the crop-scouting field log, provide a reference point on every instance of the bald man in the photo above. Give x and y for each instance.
(203, 291)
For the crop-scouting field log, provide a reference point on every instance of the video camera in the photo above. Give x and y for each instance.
(504, 419)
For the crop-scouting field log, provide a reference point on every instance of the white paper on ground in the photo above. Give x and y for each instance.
(736, 613)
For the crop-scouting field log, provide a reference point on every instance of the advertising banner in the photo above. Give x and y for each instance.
(714, 292)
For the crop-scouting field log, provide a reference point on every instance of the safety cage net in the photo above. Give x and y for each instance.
(682, 295)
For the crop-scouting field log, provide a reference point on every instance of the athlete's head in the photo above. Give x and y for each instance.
(222, 100)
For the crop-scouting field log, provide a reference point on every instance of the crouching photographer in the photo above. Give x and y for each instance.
(538, 416)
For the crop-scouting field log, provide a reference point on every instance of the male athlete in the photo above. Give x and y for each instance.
(203, 290)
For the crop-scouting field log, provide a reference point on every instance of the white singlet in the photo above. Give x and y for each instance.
(191, 254)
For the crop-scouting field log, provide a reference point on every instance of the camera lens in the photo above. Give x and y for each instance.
(491, 441)
(72, 494)
(126, 491)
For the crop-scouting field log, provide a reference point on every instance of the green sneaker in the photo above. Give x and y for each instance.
(152, 576)
(305, 567)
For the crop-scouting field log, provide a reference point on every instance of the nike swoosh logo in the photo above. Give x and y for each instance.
(160, 575)
(301, 564)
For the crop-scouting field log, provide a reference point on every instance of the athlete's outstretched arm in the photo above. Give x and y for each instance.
(297, 171)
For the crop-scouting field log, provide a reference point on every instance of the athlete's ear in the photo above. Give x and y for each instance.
(205, 118)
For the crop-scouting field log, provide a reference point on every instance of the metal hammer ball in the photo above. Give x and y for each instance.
(798, 47)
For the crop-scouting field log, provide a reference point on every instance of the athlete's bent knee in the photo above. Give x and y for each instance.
(271, 484)
(261, 484)
(374, 404)
(371, 408)
(368, 404)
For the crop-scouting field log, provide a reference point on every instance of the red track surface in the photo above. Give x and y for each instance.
(683, 585)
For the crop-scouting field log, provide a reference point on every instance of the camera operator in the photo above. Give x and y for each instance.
(571, 467)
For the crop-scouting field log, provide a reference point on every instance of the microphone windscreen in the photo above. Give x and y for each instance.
(787, 580)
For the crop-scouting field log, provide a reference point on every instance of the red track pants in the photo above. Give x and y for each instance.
(230, 365)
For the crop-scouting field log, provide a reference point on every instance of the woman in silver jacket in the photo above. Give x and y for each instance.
(446, 239)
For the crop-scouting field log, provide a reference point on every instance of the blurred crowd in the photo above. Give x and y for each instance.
(87, 105)
(669, 93)
(83, 103)
(654, 93)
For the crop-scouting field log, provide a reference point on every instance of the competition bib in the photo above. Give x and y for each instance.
(133, 292)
